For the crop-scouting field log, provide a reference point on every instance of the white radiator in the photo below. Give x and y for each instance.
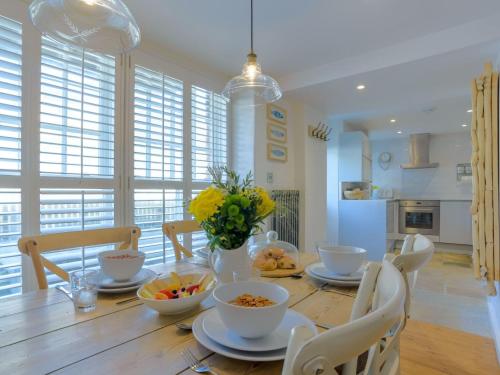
(285, 219)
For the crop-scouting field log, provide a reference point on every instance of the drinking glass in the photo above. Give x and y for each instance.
(84, 289)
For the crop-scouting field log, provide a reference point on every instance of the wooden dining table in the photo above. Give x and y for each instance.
(41, 333)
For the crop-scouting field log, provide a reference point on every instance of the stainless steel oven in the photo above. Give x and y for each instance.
(419, 217)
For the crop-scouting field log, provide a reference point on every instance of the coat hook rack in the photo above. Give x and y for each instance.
(321, 131)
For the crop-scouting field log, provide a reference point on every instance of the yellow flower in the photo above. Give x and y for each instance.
(206, 204)
(266, 204)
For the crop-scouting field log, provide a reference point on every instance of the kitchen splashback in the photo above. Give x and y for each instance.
(433, 183)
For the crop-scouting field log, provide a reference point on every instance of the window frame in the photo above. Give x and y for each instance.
(30, 182)
(189, 78)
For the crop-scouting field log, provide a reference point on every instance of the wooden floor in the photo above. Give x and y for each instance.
(428, 349)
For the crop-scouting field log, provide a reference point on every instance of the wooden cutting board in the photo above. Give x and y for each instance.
(283, 272)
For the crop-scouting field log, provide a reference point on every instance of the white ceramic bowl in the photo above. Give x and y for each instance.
(121, 269)
(342, 260)
(173, 306)
(251, 322)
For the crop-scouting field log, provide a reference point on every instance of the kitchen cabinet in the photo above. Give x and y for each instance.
(362, 223)
(455, 222)
(355, 163)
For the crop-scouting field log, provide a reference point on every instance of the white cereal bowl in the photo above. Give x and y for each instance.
(121, 269)
(342, 260)
(251, 322)
(173, 306)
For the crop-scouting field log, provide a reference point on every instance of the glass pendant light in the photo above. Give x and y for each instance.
(252, 87)
(101, 25)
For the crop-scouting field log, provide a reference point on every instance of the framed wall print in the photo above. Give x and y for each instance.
(277, 152)
(276, 133)
(276, 113)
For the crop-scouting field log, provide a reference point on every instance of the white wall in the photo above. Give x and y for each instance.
(283, 173)
(312, 177)
(332, 229)
(305, 169)
(433, 183)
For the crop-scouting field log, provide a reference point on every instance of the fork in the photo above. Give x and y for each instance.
(196, 365)
(65, 291)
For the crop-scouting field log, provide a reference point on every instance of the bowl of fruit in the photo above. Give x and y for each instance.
(177, 293)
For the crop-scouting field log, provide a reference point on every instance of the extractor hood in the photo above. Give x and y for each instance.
(419, 152)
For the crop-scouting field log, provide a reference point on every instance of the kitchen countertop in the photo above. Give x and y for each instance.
(415, 199)
(435, 199)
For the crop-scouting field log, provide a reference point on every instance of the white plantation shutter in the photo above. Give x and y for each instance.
(77, 131)
(10, 96)
(10, 155)
(153, 207)
(76, 112)
(208, 132)
(177, 131)
(63, 210)
(158, 134)
(158, 159)
(199, 239)
(10, 231)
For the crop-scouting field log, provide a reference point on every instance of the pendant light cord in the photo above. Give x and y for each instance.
(251, 26)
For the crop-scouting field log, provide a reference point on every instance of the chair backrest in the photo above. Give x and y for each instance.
(174, 228)
(385, 287)
(411, 260)
(35, 246)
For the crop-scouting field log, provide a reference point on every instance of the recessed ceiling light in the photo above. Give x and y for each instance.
(464, 125)
(469, 111)
(399, 132)
(360, 87)
(393, 120)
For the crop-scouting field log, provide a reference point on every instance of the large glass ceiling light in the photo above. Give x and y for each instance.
(101, 25)
(252, 87)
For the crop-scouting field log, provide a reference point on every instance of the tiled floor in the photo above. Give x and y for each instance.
(448, 294)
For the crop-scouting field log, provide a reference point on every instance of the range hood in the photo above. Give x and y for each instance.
(419, 152)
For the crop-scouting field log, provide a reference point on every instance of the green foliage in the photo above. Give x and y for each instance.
(238, 218)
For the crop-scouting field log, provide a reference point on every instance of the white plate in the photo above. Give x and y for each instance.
(320, 270)
(207, 342)
(331, 281)
(278, 339)
(128, 288)
(138, 279)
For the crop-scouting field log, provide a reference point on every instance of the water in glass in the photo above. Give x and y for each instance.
(84, 290)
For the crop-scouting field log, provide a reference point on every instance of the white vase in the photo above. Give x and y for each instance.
(231, 265)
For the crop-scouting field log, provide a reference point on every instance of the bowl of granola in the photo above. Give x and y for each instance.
(251, 309)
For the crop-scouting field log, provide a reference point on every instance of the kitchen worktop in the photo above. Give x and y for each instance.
(458, 199)
(416, 199)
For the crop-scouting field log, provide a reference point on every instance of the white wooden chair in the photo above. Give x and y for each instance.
(35, 246)
(174, 228)
(416, 252)
(378, 315)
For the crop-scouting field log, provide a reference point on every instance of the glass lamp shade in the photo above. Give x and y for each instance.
(252, 87)
(102, 25)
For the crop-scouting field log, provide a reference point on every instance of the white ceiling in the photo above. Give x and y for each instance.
(294, 35)
(404, 92)
(409, 54)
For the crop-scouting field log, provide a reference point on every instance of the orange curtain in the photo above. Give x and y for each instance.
(484, 209)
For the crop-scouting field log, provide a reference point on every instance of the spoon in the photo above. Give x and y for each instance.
(184, 326)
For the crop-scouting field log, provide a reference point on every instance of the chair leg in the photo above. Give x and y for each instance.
(38, 265)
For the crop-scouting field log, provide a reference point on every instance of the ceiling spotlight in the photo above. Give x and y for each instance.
(399, 132)
(360, 87)
(464, 125)
(393, 120)
(469, 111)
